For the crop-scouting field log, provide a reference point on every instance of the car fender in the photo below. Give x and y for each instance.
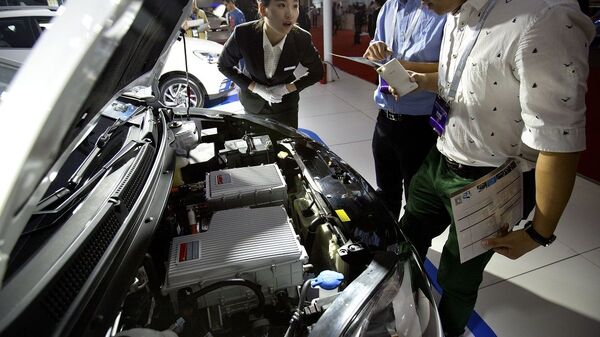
(206, 74)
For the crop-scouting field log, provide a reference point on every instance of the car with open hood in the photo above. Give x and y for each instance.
(120, 216)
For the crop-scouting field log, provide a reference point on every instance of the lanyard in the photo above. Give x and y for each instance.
(409, 30)
(487, 9)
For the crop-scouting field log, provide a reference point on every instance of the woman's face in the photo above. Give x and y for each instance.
(280, 15)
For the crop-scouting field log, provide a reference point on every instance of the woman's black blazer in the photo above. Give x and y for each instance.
(246, 43)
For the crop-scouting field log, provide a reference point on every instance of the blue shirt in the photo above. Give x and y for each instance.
(422, 46)
(235, 17)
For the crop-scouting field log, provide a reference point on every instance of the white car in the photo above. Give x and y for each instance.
(21, 26)
(206, 81)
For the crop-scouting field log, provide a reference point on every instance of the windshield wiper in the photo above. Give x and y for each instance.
(73, 187)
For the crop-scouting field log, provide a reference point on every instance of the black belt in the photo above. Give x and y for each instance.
(465, 171)
(394, 117)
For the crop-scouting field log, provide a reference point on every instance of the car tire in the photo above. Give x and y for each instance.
(173, 92)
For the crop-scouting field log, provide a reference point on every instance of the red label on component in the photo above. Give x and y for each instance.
(182, 251)
(222, 178)
(188, 251)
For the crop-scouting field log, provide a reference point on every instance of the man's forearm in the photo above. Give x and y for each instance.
(426, 81)
(420, 67)
(554, 180)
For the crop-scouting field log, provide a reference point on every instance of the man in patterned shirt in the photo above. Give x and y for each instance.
(519, 94)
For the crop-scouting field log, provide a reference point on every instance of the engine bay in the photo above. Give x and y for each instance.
(262, 229)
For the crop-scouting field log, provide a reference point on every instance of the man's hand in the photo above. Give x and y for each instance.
(426, 81)
(414, 77)
(513, 244)
(554, 179)
(393, 92)
(377, 51)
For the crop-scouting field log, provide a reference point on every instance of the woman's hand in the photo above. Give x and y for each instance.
(265, 93)
(291, 87)
(278, 91)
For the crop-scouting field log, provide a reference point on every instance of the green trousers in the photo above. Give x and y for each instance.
(427, 214)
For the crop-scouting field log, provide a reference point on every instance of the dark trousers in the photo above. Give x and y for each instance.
(287, 116)
(399, 148)
(428, 213)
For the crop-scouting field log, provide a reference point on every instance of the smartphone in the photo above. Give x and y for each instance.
(397, 77)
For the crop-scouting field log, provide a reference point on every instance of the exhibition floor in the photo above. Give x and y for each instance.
(551, 292)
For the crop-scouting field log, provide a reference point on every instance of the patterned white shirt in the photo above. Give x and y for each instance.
(524, 84)
(271, 53)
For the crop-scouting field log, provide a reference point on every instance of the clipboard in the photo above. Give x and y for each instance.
(360, 59)
(392, 72)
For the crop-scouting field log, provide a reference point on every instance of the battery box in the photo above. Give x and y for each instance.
(245, 186)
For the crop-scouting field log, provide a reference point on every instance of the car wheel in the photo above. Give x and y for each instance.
(173, 93)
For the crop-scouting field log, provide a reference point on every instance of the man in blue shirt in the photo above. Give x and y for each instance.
(402, 136)
(234, 14)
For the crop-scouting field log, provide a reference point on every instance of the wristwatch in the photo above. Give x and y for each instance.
(537, 237)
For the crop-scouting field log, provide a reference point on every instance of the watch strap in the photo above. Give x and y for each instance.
(537, 237)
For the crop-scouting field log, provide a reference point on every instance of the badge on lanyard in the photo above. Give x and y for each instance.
(439, 115)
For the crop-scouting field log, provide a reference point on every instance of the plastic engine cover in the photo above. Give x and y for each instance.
(245, 186)
(257, 244)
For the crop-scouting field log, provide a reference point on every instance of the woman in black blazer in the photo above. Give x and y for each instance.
(244, 61)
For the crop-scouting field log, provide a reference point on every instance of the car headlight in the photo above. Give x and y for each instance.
(206, 56)
(391, 298)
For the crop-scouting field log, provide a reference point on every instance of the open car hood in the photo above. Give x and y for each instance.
(69, 76)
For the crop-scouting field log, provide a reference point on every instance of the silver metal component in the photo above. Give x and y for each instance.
(259, 143)
(245, 186)
(259, 244)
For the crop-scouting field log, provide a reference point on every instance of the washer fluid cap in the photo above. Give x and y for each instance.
(327, 280)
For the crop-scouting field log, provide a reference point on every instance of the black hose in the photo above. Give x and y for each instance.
(307, 212)
(312, 231)
(297, 315)
(303, 291)
(321, 219)
(234, 282)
